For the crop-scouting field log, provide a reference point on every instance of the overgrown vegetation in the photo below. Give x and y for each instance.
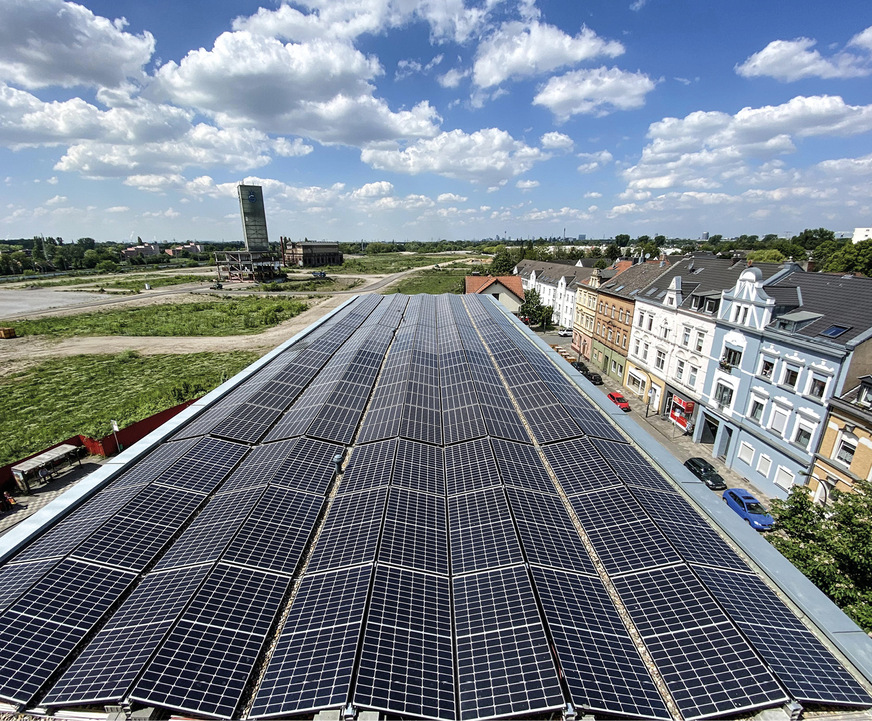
(433, 281)
(219, 317)
(385, 263)
(43, 404)
(155, 281)
(831, 545)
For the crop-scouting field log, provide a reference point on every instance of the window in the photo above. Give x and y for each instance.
(624, 343)
(845, 452)
(766, 368)
(679, 369)
(664, 332)
(598, 325)
(636, 346)
(817, 386)
(834, 331)
(743, 319)
(746, 452)
(803, 436)
(661, 360)
(613, 311)
(723, 395)
(791, 375)
(756, 411)
(779, 421)
(685, 337)
(610, 333)
(645, 351)
(650, 321)
(700, 339)
(621, 315)
(691, 376)
(764, 463)
(783, 477)
(732, 356)
(641, 319)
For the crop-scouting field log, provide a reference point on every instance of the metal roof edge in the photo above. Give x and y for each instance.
(832, 622)
(67, 502)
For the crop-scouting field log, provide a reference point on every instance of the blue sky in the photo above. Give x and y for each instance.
(419, 120)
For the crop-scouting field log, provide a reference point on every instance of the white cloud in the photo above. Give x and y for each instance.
(518, 50)
(790, 60)
(527, 184)
(51, 42)
(168, 213)
(117, 209)
(379, 189)
(452, 78)
(556, 141)
(52, 180)
(56, 200)
(451, 198)
(593, 194)
(594, 92)
(488, 156)
(862, 40)
(594, 161)
(319, 89)
(295, 148)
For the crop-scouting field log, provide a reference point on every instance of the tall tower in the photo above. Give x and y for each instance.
(253, 218)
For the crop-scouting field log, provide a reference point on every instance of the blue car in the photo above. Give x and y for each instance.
(748, 508)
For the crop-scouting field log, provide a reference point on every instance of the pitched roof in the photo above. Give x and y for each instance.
(552, 272)
(478, 283)
(629, 282)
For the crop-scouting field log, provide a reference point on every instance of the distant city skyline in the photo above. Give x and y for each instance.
(383, 120)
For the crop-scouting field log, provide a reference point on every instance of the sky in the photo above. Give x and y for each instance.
(384, 120)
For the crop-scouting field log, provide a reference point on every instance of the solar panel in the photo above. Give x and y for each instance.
(205, 662)
(204, 466)
(521, 466)
(470, 466)
(369, 466)
(309, 466)
(482, 533)
(579, 467)
(247, 424)
(16, 579)
(43, 626)
(109, 665)
(548, 535)
(601, 664)
(313, 661)
(153, 464)
(406, 663)
(276, 532)
(504, 665)
(415, 531)
(632, 466)
(707, 666)
(800, 661)
(419, 467)
(351, 531)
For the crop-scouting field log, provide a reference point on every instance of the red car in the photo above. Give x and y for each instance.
(619, 401)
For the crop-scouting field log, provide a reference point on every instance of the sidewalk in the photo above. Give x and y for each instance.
(26, 505)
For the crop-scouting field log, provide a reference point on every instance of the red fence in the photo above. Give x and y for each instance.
(105, 446)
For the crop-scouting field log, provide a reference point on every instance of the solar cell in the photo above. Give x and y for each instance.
(109, 665)
(152, 465)
(601, 664)
(205, 662)
(308, 466)
(482, 533)
(204, 466)
(406, 663)
(548, 535)
(470, 466)
(16, 579)
(312, 664)
(276, 532)
(419, 467)
(350, 532)
(415, 531)
(801, 662)
(259, 466)
(247, 424)
(521, 466)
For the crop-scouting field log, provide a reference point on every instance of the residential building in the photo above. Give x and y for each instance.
(673, 328)
(146, 250)
(781, 350)
(507, 289)
(612, 324)
(189, 247)
(556, 284)
(584, 319)
(845, 452)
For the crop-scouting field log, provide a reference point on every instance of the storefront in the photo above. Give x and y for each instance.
(681, 413)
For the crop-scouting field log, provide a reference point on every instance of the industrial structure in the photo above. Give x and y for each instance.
(256, 262)
(307, 254)
(413, 509)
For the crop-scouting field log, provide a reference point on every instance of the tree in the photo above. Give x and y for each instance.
(831, 545)
(659, 240)
(503, 263)
(613, 251)
(766, 256)
(545, 313)
(809, 238)
(715, 239)
(602, 264)
(622, 239)
(532, 305)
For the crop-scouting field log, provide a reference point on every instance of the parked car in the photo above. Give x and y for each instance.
(564, 333)
(579, 366)
(706, 472)
(619, 401)
(594, 378)
(748, 508)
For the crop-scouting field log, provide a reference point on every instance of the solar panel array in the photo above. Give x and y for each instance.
(493, 547)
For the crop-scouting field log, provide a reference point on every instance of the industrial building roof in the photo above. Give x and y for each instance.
(411, 509)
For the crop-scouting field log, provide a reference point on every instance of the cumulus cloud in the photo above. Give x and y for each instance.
(527, 184)
(452, 78)
(594, 92)
(706, 149)
(319, 89)
(52, 42)
(379, 189)
(451, 198)
(862, 40)
(117, 209)
(594, 161)
(490, 156)
(791, 60)
(556, 141)
(518, 50)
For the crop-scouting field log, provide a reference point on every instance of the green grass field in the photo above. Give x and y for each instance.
(219, 317)
(155, 281)
(447, 280)
(385, 263)
(43, 404)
